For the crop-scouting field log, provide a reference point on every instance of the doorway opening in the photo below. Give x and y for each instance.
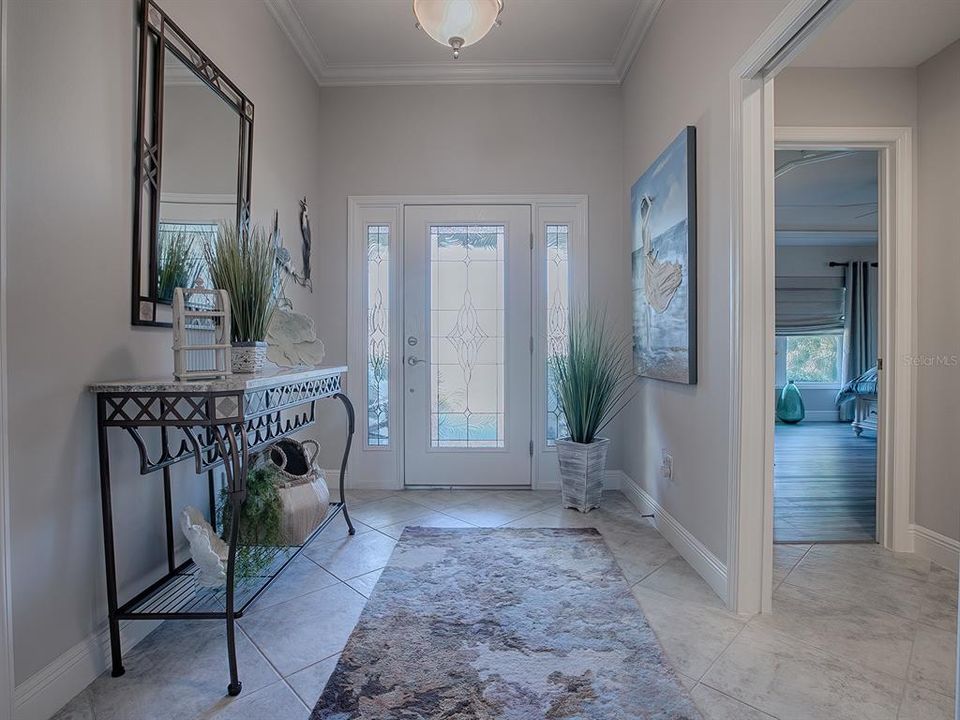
(827, 327)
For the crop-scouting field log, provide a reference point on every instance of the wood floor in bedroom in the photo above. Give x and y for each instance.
(825, 484)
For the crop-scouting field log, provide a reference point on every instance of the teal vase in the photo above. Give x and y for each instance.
(790, 405)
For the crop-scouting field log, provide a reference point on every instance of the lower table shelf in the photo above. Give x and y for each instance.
(178, 596)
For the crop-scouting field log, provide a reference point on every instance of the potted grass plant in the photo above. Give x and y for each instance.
(244, 263)
(593, 382)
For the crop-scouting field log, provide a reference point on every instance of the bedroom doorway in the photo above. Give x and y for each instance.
(827, 326)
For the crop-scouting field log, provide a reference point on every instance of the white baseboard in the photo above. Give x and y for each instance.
(935, 547)
(41, 695)
(707, 565)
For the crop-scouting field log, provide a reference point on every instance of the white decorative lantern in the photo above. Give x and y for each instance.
(201, 333)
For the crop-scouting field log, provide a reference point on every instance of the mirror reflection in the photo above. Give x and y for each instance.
(199, 179)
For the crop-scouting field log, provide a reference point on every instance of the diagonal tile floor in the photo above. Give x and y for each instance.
(857, 633)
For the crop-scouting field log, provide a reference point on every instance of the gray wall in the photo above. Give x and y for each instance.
(682, 77)
(937, 493)
(71, 135)
(496, 139)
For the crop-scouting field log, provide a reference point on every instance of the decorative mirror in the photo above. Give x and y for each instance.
(195, 142)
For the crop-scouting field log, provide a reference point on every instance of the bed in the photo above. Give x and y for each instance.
(862, 391)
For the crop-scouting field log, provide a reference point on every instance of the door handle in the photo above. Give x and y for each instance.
(411, 361)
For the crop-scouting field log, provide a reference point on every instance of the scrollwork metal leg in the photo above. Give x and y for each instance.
(351, 428)
(232, 442)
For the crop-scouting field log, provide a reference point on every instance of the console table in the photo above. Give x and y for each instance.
(215, 423)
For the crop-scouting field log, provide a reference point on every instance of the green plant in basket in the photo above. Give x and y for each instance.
(261, 514)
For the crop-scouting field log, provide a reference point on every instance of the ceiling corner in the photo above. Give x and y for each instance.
(633, 36)
(296, 31)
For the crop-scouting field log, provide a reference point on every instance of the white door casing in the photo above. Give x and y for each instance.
(750, 497)
(467, 336)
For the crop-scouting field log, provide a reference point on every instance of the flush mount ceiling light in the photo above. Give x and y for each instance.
(457, 23)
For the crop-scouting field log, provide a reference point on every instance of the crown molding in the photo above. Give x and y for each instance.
(469, 74)
(633, 35)
(328, 75)
(296, 31)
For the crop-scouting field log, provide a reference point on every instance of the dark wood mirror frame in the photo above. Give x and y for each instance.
(159, 35)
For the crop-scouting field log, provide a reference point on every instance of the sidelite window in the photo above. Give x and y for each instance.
(467, 335)
(378, 334)
(810, 359)
(558, 302)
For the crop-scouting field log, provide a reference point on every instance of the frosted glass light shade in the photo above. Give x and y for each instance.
(457, 23)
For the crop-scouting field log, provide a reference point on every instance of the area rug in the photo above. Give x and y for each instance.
(503, 624)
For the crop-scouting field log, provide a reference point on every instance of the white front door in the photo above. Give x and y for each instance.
(467, 344)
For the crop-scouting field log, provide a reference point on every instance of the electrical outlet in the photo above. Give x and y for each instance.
(666, 464)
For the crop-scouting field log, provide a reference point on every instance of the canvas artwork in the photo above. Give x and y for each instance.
(664, 259)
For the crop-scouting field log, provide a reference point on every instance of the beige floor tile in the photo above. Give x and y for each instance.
(853, 631)
(387, 511)
(310, 682)
(848, 580)
(638, 555)
(431, 518)
(353, 556)
(693, 636)
(921, 704)
(357, 497)
(934, 662)
(939, 604)
(337, 530)
(364, 584)
(874, 556)
(301, 632)
(677, 579)
(277, 702)
(437, 499)
(714, 705)
(785, 558)
(300, 577)
(178, 671)
(794, 681)
(494, 512)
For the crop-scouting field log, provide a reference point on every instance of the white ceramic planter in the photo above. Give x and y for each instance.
(248, 357)
(581, 472)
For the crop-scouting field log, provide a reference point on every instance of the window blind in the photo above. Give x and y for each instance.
(809, 305)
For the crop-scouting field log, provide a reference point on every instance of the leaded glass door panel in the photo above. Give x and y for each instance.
(467, 345)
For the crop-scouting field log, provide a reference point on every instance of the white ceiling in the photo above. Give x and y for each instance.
(884, 33)
(357, 42)
(833, 201)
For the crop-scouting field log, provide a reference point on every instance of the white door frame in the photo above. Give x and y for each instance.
(383, 467)
(896, 248)
(750, 496)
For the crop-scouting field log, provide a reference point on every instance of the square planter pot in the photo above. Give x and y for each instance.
(581, 472)
(248, 357)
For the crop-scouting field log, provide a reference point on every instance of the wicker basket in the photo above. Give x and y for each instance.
(304, 496)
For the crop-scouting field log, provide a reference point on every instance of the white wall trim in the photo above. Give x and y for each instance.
(463, 73)
(937, 548)
(49, 689)
(707, 565)
(750, 457)
(296, 31)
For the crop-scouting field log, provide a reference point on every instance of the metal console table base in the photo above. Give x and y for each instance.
(220, 424)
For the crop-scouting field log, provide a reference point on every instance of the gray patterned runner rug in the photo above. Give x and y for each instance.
(503, 624)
